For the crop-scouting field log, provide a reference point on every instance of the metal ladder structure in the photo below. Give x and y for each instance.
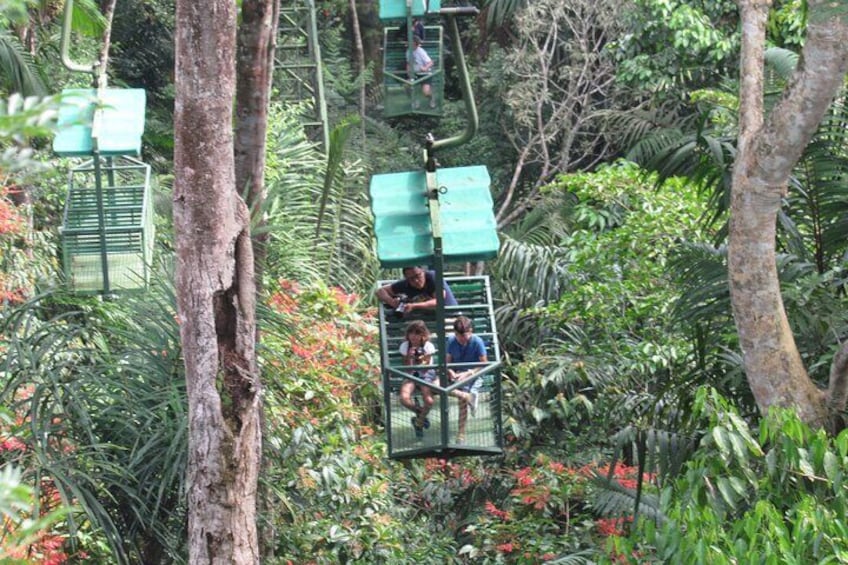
(298, 69)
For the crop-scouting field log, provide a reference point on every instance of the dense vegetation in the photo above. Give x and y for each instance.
(632, 436)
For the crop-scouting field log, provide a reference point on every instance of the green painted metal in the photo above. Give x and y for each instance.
(65, 45)
(467, 93)
(404, 232)
(484, 429)
(109, 121)
(298, 72)
(403, 91)
(397, 9)
(108, 229)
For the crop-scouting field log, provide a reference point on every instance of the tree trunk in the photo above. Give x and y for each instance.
(257, 40)
(767, 152)
(215, 292)
(360, 60)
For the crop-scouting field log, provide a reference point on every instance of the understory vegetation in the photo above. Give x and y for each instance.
(631, 434)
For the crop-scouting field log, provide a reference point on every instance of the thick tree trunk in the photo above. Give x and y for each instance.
(215, 292)
(257, 40)
(767, 152)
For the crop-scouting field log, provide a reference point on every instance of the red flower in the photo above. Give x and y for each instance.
(494, 511)
(505, 547)
(612, 526)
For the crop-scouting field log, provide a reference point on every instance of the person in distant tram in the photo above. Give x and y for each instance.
(415, 291)
(417, 30)
(422, 65)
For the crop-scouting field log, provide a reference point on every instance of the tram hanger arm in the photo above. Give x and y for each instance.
(465, 86)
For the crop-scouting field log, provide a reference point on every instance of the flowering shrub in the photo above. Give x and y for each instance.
(24, 257)
(334, 496)
(541, 517)
(544, 516)
(29, 530)
(320, 360)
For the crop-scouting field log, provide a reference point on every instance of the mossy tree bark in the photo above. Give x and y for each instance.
(215, 292)
(768, 149)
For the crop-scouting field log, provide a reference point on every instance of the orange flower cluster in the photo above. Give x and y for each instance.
(497, 513)
(625, 475)
(451, 471)
(613, 526)
(46, 548)
(530, 491)
(12, 225)
(11, 222)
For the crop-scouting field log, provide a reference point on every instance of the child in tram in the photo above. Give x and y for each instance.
(417, 349)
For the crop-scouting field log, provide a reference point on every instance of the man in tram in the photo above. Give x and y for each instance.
(415, 291)
(422, 66)
(464, 347)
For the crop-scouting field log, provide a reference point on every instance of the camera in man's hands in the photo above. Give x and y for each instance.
(401, 307)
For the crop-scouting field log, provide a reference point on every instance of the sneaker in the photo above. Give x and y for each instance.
(432, 102)
(472, 405)
(419, 431)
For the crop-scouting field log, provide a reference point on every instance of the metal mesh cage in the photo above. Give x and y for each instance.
(108, 229)
(453, 427)
(403, 92)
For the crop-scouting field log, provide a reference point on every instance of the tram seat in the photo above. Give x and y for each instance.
(483, 433)
(108, 227)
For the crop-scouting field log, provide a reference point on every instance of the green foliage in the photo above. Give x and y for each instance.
(618, 252)
(743, 497)
(672, 45)
(609, 352)
(24, 537)
(17, 69)
(142, 53)
(787, 23)
(296, 172)
(99, 391)
(499, 11)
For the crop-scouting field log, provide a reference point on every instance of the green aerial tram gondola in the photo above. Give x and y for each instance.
(407, 89)
(438, 217)
(107, 228)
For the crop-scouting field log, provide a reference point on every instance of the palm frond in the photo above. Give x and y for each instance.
(300, 191)
(117, 398)
(335, 152)
(610, 499)
(87, 18)
(527, 276)
(17, 68)
(702, 272)
(499, 11)
(781, 61)
(582, 557)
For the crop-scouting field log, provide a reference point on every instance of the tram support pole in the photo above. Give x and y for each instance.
(439, 266)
